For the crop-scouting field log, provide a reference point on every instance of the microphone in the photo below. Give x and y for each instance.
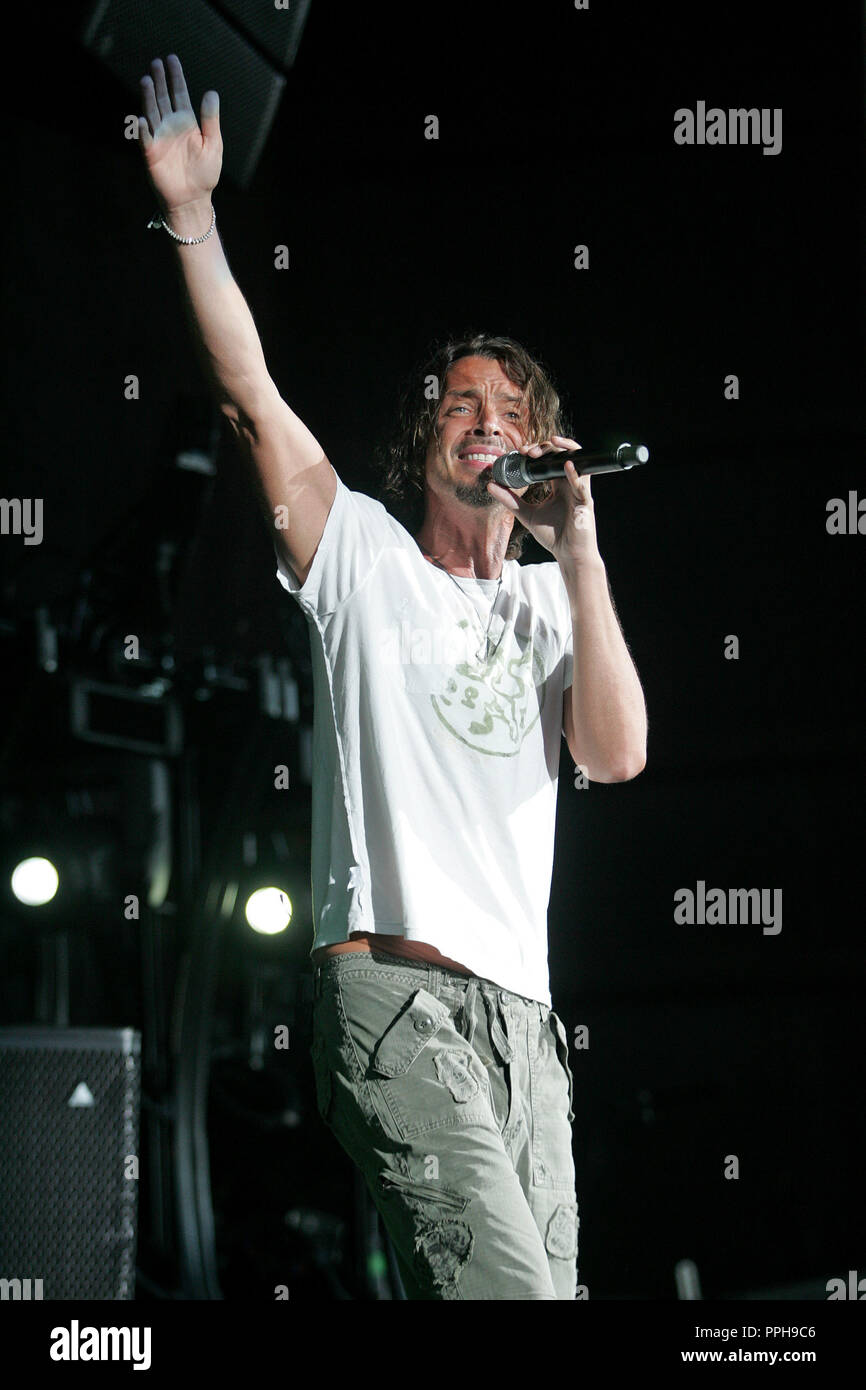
(518, 470)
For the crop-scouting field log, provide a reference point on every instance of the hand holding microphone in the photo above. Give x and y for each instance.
(564, 523)
(517, 469)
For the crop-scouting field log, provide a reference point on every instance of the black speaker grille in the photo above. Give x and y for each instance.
(277, 30)
(128, 34)
(68, 1199)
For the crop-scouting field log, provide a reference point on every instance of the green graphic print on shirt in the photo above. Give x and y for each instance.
(485, 704)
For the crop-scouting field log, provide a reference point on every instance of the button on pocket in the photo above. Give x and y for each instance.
(408, 1035)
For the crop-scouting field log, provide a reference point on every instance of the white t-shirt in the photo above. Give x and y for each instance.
(435, 769)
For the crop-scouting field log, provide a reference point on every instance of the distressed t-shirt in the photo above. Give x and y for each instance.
(436, 745)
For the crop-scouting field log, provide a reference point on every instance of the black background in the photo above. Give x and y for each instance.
(556, 129)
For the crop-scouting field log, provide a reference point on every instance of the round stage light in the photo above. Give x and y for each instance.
(35, 881)
(269, 911)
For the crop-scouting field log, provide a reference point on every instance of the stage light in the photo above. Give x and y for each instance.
(34, 881)
(269, 910)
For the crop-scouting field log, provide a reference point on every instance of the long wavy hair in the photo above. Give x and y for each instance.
(403, 458)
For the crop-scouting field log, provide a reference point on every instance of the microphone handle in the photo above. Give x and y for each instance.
(517, 470)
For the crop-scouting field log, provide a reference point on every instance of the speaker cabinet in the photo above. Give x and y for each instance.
(127, 35)
(69, 1110)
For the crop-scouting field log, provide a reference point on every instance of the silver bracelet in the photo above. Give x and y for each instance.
(159, 221)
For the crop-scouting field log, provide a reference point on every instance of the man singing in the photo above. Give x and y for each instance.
(445, 676)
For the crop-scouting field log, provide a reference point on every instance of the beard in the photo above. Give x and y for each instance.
(476, 494)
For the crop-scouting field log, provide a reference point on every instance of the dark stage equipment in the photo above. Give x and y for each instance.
(69, 1109)
(245, 64)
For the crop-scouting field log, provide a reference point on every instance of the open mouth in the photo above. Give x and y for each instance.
(479, 458)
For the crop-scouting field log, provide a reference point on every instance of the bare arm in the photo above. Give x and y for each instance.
(604, 710)
(296, 481)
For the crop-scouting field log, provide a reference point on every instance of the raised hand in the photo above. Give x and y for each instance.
(183, 161)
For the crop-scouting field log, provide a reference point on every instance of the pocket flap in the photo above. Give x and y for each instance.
(409, 1034)
(562, 1053)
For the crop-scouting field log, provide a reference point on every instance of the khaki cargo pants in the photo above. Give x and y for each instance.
(454, 1098)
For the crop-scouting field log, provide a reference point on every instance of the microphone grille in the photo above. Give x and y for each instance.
(508, 470)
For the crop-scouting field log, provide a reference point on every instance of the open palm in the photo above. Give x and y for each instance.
(183, 160)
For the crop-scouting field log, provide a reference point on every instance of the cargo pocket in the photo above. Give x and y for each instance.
(428, 1226)
(562, 1053)
(408, 1035)
(396, 1183)
(418, 1087)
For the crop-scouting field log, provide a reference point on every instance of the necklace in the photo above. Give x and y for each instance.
(484, 653)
